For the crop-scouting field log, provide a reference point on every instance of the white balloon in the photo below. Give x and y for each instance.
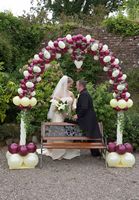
(113, 103)
(122, 103)
(128, 160)
(105, 47)
(61, 45)
(113, 159)
(15, 161)
(58, 55)
(114, 95)
(115, 73)
(51, 44)
(20, 91)
(68, 37)
(94, 47)
(116, 61)
(124, 76)
(105, 69)
(36, 57)
(38, 79)
(26, 73)
(120, 87)
(47, 66)
(17, 100)
(96, 57)
(33, 101)
(33, 93)
(36, 69)
(25, 101)
(29, 84)
(70, 50)
(78, 63)
(129, 103)
(107, 59)
(46, 54)
(8, 154)
(88, 37)
(127, 94)
(31, 160)
(111, 81)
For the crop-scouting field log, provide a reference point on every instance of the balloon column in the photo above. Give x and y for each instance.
(77, 46)
(22, 156)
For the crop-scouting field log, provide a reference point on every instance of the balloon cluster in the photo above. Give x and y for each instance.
(22, 156)
(120, 155)
(77, 46)
(121, 148)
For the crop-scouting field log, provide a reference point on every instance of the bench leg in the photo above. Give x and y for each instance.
(41, 156)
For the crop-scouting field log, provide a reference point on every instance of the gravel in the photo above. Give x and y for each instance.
(82, 178)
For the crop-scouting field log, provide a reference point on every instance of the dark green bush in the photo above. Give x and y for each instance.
(122, 25)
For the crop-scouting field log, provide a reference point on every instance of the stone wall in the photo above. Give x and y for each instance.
(124, 48)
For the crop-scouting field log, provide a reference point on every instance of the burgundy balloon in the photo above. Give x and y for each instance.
(31, 147)
(13, 148)
(112, 147)
(112, 59)
(23, 151)
(121, 149)
(41, 55)
(117, 109)
(23, 86)
(55, 44)
(22, 81)
(30, 70)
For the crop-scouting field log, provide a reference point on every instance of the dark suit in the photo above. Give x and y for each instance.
(86, 115)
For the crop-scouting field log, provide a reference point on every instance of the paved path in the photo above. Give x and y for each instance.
(83, 178)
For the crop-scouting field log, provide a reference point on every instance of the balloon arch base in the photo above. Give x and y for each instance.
(22, 156)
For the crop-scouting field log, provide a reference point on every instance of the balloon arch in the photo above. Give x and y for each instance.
(77, 46)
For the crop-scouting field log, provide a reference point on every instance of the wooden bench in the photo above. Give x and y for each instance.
(74, 142)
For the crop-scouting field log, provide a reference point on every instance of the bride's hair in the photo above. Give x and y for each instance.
(70, 80)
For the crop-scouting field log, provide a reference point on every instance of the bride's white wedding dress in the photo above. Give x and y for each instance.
(56, 116)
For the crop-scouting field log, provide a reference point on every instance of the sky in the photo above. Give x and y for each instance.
(15, 6)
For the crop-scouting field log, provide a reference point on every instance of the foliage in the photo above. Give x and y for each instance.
(122, 25)
(19, 39)
(132, 9)
(90, 70)
(105, 114)
(72, 8)
(131, 131)
(7, 89)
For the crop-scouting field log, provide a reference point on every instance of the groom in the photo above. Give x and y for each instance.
(86, 116)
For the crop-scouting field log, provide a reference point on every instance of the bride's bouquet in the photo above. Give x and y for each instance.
(61, 106)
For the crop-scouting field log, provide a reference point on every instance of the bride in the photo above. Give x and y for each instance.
(62, 92)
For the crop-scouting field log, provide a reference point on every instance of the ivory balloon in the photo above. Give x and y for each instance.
(58, 55)
(115, 73)
(111, 81)
(122, 103)
(113, 159)
(127, 94)
(70, 50)
(61, 45)
(128, 160)
(20, 91)
(51, 44)
(68, 37)
(78, 63)
(38, 79)
(113, 103)
(25, 101)
(17, 100)
(31, 160)
(36, 69)
(36, 57)
(26, 73)
(124, 76)
(33, 101)
(105, 47)
(120, 87)
(107, 59)
(96, 58)
(114, 95)
(46, 54)
(129, 103)
(29, 84)
(94, 47)
(88, 37)
(15, 161)
(105, 69)
(8, 154)
(116, 61)
(33, 93)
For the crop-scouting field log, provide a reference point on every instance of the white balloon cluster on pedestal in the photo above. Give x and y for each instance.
(116, 160)
(15, 161)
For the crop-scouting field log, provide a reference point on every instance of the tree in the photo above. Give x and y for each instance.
(132, 8)
(74, 7)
